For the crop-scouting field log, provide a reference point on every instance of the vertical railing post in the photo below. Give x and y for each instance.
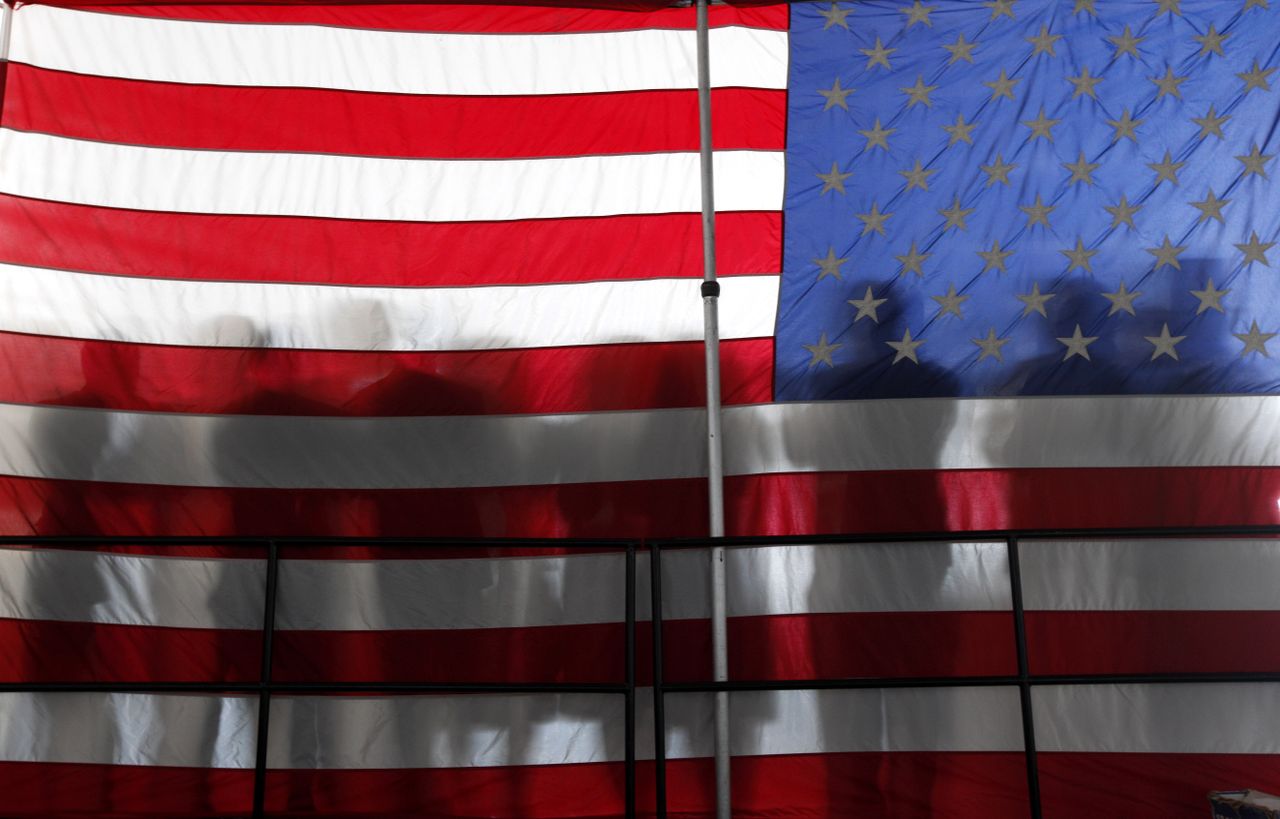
(264, 681)
(659, 695)
(630, 677)
(1024, 679)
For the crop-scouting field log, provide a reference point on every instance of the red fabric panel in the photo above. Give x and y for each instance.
(1152, 642)
(216, 380)
(58, 651)
(38, 506)
(792, 504)
(865, 786)
(343, 251)
(967, 500)
(900, 644)
(43, 790)
(829, 786)
(395, 125)
(521, 16)
(1147, 786)
(864, 644)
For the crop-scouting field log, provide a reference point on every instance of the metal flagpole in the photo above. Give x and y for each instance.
(715, 456)
(6, 29)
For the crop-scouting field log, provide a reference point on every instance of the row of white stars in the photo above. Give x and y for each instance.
(919, 13)
(1082, 170)
(1166, 254)
(917, 177)
(1086, 84)
(1122, 301)
(1077, 344)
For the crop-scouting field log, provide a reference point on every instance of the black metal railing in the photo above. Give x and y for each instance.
(1024, 680)
(266, 686)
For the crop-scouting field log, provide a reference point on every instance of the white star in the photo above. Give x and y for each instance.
(1078, 344)
(821, 352)
(918, 13)
(906, 348)
(991, 345)
(1034, 301)
(950, 303)
(867, 306)
(1255, 341)
(1164, 343)
(1122, 299)
(1210, 298)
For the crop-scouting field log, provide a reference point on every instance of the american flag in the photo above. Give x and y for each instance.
(433, 270)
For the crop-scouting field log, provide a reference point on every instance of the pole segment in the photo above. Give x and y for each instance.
(6, 29)
(715, 452)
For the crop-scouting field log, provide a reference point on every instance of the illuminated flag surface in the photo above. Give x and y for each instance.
(433, 270)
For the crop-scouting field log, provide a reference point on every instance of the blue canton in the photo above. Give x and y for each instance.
(1031, 197)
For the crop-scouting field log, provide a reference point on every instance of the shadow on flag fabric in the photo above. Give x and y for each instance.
(432, 270)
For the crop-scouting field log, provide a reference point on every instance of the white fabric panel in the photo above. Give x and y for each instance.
(548, 729)
(189, 731)
(395, 453)
(1151, 575)
(356, 187)
(489, 730)
(996, 433)
(347, 453)
(220, 593)
(542, 591)
(53, 584)
(832, 578)
(1214, 718)
(304, 56)
(302, 316)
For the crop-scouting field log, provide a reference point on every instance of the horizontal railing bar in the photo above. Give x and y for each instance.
(994, 535)
(670, 543)
(621, 688)
(314, 688)
(961, 682)
(261, 542)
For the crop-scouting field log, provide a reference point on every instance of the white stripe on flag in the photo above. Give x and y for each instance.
(484, 731)
(343, 595)
(142, 48)
(330, 317)
(1151, 575)
(133, 590)
(1218, 718)
(41, 166)
(525, 450)
(186, 731)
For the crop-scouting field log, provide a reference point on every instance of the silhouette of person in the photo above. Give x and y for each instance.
(841, 646)
(71, 581)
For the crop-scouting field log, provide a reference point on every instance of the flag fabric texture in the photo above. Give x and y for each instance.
(433, 269)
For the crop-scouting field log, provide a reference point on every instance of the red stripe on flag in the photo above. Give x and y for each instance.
(866, 785)
(801, 646)
(342, 251)
(71, 372)
(983, 499)
(862, 785)
(791, 504)
(1146, 786)
(38, 790)
(1153, 642)
(394, 125)
(531, 17)
(59, 651)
